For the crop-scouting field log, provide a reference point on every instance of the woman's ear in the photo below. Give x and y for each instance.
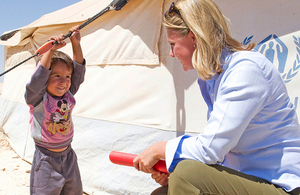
(192, 35)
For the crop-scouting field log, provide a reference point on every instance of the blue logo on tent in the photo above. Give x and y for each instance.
(274, 48)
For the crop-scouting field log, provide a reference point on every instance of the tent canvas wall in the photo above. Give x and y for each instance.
(134, 94)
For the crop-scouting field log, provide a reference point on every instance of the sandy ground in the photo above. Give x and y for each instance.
(14, 171)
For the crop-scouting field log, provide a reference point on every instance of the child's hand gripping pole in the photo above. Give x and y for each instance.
(126, 159)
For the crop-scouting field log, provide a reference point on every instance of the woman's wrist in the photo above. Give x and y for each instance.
(159, 150)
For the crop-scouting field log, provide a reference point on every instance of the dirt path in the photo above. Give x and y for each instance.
(14, 172)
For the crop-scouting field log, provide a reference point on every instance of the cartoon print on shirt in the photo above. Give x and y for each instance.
(59, 120)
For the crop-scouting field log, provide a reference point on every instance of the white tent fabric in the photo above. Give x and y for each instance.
(134, 94)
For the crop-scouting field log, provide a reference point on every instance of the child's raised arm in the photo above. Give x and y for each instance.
(75, 40)
(46, 58)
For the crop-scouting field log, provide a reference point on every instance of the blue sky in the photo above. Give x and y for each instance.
(18, 13)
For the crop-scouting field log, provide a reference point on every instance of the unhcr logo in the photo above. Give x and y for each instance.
(278, 53)
(275, 48)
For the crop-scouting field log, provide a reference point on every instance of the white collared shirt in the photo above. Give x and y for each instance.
(252, 125)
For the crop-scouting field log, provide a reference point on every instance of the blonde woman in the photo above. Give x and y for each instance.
(251, 142)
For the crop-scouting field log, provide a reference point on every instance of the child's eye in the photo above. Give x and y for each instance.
(68, 77)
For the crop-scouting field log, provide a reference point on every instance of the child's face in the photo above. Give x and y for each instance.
(59, 80)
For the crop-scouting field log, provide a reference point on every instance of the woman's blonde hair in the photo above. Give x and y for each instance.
(206, 21)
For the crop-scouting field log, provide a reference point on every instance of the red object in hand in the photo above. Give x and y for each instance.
(126, 159)
(44, 48)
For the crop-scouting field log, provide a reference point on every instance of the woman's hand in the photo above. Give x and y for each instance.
(161, 178)
(149, 157)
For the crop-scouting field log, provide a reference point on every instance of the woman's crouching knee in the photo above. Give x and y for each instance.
(182, 179)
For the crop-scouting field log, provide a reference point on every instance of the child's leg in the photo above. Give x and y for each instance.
(44, 179)
(55, 173)
(73, 185)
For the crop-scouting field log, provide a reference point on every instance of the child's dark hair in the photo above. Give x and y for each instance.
(59, 56)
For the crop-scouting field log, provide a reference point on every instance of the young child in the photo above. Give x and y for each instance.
(49, 95)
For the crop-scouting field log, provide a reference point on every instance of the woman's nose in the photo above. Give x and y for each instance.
(172, 52)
